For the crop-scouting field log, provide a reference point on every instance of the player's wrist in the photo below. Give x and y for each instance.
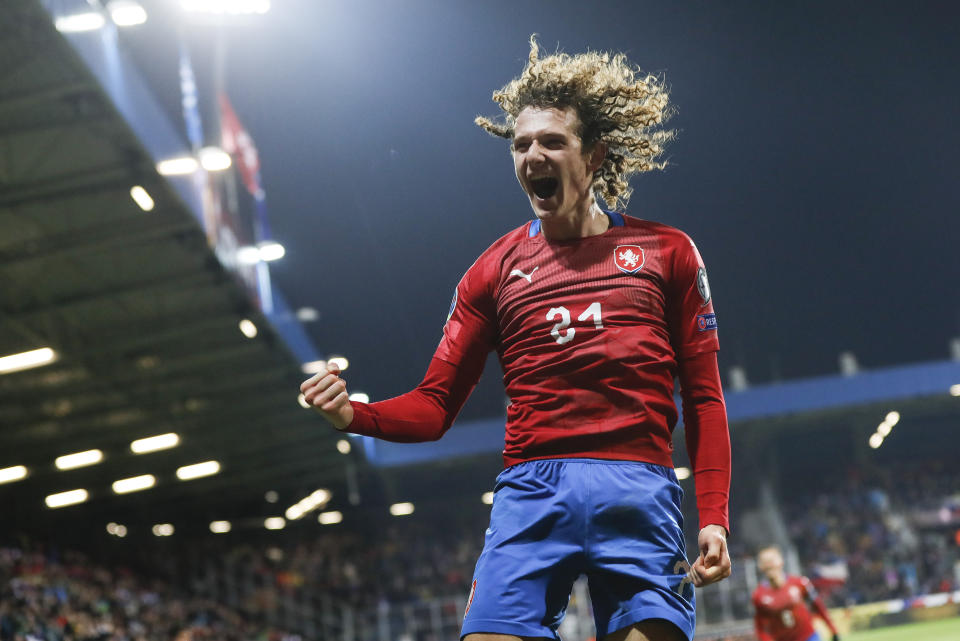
(714, 527)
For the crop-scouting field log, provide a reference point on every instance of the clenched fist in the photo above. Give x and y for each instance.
(713, 564)
(327, 393)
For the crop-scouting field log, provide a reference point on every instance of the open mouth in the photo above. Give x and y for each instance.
(545, 187)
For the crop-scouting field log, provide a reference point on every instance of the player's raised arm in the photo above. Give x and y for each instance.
(428, 411)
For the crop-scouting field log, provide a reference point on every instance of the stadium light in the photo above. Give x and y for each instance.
(274, 523)
(126, 13)
(271, 250)
(231, 7)
(302, 400)
(214, 159)
(318, 498)
(330, 518)
(220, 527)
(955, 390)
(155, 443)
(271, 497)
(343, 446)
(892, 418)
(682, 473)
(80, 22)
(62, 499)
(339, 361)
(163, 529)
(312, 367)
(142, 198)
(248, 255)
(248, 328)
(266, 252)
(179, 166)
(401, 509)
(876, 440)
(26, 360)
(198, 470)
(117, 529)
(134, 483)
(15, 473)
(307, 315)
(487, 498)
(78, 459)
(360, 397)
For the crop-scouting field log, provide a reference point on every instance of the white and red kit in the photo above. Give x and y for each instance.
(591, 334)
(784, 613)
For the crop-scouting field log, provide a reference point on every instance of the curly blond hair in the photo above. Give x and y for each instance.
(617, 104)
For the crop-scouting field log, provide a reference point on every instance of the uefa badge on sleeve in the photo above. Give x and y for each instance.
(628, 258)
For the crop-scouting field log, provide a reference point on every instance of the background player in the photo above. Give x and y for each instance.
(592, 314)
(783, 606)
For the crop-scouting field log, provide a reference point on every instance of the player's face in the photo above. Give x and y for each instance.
(770, 563)
(551, 164)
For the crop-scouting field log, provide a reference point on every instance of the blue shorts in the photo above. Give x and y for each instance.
(814, 637)
(617, 522)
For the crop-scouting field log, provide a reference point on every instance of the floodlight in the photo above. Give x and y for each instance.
(126, 13)
(26, 360)
(78, 459)
(274, 523)
(15, 473)
(220, 527)
(141, 197)
(163, 529)
(79, 22)
(487, 498)
(248, 328)
(220, 7)
(134, 483)
(198, 470)
(330, 518)
(401, 509)
(682, 473)
(271, 250)
(360, 397)
(339, 361)
(180, 166)
(214, 159)
(62, 499)
(155, 443)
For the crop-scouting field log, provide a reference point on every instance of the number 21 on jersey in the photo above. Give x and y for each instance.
(562, 332)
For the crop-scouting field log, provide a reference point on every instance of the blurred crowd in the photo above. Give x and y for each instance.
(412, 560)
(866, 536)
(49, 596)
(886, 533)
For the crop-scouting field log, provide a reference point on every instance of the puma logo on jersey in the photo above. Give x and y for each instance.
(529, 276)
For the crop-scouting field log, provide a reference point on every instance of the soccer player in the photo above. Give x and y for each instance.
(782, 606)
(593, 314)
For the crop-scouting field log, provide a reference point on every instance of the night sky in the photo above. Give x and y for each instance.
(815, 164)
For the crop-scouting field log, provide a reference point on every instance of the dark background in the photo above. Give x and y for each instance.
(815, 164)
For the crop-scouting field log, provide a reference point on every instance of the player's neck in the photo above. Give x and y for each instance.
(587, 220)
(777, 580)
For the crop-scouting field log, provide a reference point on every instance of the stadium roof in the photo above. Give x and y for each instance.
(141, 315)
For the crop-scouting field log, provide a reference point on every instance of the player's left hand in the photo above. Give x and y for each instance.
(713, 564)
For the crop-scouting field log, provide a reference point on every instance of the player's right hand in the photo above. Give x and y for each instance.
(327, 393)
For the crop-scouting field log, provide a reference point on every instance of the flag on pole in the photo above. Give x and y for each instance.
(238, 143)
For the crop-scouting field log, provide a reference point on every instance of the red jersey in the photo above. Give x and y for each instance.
(784, 613)
(591, 334)
(588, 333)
